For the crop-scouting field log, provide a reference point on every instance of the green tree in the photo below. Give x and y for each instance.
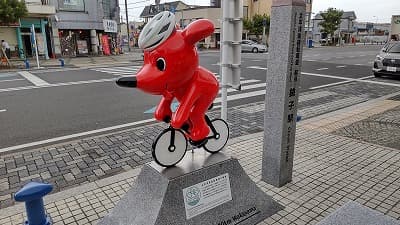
(12, 10)
(255, 24)
(331, 21)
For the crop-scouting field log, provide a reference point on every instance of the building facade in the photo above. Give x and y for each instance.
(151, 10)
(185, 14)
(85, 27)
(261, 7)
(19, 36)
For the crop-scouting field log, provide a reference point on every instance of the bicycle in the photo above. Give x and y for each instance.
(170, 146)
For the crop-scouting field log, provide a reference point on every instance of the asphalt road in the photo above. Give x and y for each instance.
(55, 103)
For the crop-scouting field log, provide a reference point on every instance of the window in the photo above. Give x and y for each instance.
(71, 5)
(107, 9)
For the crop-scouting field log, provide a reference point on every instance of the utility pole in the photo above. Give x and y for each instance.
(264, 38)
(232, 26)
(127, 24)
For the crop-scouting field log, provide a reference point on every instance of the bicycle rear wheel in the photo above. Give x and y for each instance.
(216, 142)
(169, 147)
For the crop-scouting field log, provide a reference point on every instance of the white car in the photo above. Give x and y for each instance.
(388, 60)
(251, 46)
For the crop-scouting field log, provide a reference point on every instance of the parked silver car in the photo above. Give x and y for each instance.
(251, 46)
(388, 60)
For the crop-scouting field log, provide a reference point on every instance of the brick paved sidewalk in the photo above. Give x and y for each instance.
(81, 161)
(329, 170)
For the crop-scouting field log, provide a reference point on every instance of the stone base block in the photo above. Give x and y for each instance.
(204, 189)
(356, 214)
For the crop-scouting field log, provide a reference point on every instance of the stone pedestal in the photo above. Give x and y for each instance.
(355, 214)
(203, 189)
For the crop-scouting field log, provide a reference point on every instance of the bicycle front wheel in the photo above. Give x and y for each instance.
(169, 148)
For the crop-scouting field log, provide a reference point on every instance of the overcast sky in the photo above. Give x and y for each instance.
(366, 10)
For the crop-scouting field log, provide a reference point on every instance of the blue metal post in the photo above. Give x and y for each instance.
(32, 194)
(27, 66)
(62, 62)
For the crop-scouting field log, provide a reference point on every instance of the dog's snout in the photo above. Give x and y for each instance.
(130, 82)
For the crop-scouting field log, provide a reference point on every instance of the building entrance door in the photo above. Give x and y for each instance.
(27, 44)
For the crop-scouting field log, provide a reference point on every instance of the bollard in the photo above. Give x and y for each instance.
(27, 66)
(62, 62)
(32, 194)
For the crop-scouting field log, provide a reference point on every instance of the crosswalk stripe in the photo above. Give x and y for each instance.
(247, 84)
(117, 69)
(33, 79)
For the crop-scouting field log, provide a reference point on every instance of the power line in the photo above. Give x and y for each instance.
(134, 3)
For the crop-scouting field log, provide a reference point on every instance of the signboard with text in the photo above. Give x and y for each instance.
(201, 197)
(110, 26)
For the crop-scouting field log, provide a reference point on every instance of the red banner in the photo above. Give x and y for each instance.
(106, 45)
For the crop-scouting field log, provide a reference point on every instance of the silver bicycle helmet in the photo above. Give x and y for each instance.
(157, 30)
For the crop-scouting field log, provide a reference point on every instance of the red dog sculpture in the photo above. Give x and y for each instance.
(171, 69)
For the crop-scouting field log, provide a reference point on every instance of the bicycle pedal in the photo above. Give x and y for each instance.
(199, 144)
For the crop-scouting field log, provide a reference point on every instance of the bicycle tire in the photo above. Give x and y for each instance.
(160, 152)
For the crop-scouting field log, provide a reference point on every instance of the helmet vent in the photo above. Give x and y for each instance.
(155, 43)
(165, 28)
(148, 31)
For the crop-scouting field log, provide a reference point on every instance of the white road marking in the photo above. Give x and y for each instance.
(3, 110)
(328, 85)
(33, 79)
(340, 66)
(359, 64)
(117, 69)
(257, 68)
(310, 60)
(10, 80)
(8, 75)
(256, 60)
(351, 79)
(243, 95)
(322, 69)
(12, 148)
(57, 85)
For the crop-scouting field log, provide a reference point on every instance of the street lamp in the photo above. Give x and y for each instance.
(376, 23)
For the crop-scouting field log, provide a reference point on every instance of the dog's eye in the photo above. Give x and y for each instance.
(160, 63)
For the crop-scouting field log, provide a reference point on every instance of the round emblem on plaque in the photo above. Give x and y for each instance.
(193, 196)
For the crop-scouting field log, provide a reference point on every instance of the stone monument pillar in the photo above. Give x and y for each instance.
(284, 67)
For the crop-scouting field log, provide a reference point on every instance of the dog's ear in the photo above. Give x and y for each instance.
(198, 30)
